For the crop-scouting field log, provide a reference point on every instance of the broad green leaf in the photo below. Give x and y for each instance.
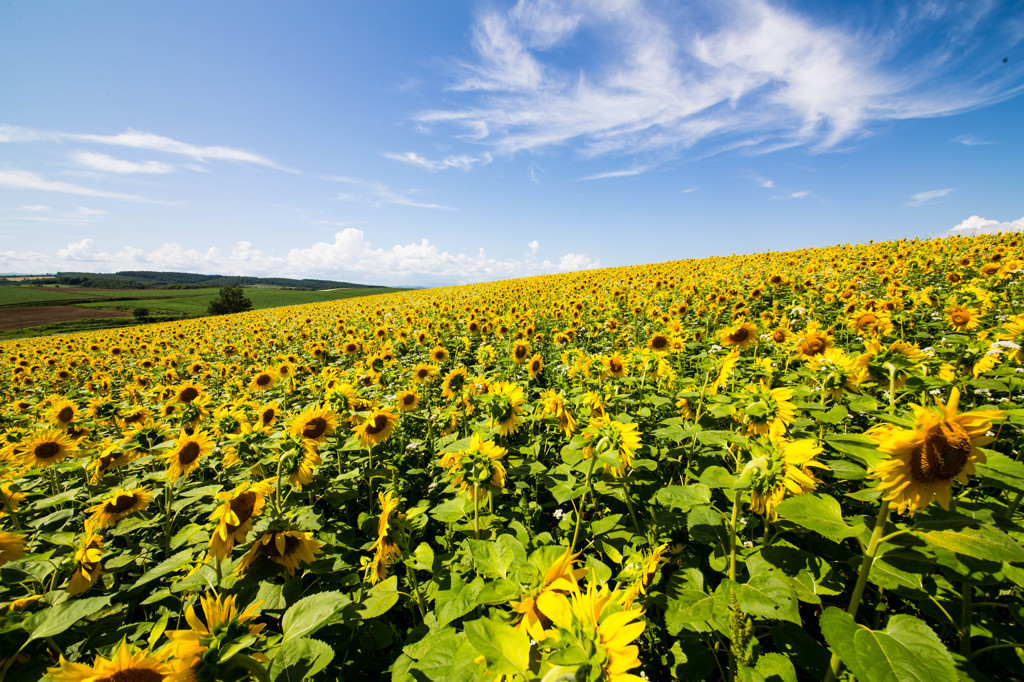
(57, 619)
(424, 557)
(769, 596)
(690, 610)
(452, 510)
(981, 543)
(458, 601)
(683, 497)
(858, 446)
(174, 563)
(380, 598)
(301, 659)
(890, 577)
(775, 668)
(492, 559)
(817, 512)
(506, 649)
(834, 416)
(309, 614)
(445, 655)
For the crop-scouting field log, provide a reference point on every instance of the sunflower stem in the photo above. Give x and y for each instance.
(11, 659)
(732, 533)
(416, 591)
(1004, 645)
(629, 506)
(250, 665)
(9, 508)
(862, 578)
(1014, 505)
(168, 501)
(476, 517)
(966, 592)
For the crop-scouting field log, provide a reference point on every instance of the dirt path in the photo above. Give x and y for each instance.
(32, 316)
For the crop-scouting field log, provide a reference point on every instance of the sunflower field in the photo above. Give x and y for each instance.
(779, 467)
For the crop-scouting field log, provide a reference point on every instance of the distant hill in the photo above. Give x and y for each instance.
(143, 279)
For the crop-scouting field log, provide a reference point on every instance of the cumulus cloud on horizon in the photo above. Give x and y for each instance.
(978, 225)
(350, 256)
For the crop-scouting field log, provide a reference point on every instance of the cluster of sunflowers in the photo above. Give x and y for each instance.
(715, 468)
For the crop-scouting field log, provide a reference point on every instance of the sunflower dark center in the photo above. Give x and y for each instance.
(659, 342)
(520, 352)
(778, 336)
(263, 380)
(422, 374)
(409, 399)
(243, 506)
(315, 428)
(270, 548)
(267, 416)
(740, 335)
(961, 318)
(188, 394)
(66, 414)
(867, 320)
(378, 425)
(189, 452)
(943, 454)
(107, 460)
(615, 366)
(133, 675)
(47, 450)
(121, 503)
(815, 345)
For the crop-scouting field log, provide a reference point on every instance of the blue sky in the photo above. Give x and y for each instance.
(446, 142)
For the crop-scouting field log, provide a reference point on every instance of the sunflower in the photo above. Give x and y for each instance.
(476, 470)
(614, 366)
(408, 400)
(597, 620)
(377, 427)
(48, 447)
(264, 380)
(187, 392)
(188, 450)
(536, 365)
(12, 546)
(505, 406)
(605, 434)
(782, 468)
(645, 575)
(389, 532)
(103, 408)
(9, 500)
(287, 548)
(124, 666)
(136, 414)
(520, 351)
(962, 318)
(766, 411)
(438, 354)
(224, 622)
(235, 514)
(923, 462)
(314, 423)
(741, 335)
(558, 576)
(61, 411)
(119, 505)
(813, 342)
(87, 562)
(298, 460)
(869, 323)
(553, 405)
(453, 382)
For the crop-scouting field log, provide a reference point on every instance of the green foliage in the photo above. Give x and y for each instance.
(230, 300)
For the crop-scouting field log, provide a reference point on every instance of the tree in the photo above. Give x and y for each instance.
(141, 314)
(231, 300)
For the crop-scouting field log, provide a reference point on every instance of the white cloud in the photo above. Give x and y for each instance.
(109, 164)
(922, 198)
(533, 246)
(970, 140)
(799, 195)
(35, 207)
(978, 225)
(28, 180)
(625, 173)
(350, 256)
(377, 194)
(748, 74)
(461, 162)
(765, 183)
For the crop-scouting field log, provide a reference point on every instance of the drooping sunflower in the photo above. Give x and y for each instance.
(603, 434)
(377, 427)
(287, 548)
(645, 574)
(477, 469)
(12, 546)
(924, 461)
(125, 666)
(535, 366)
(386, 549)
(88, 565)
(782, 468)
(553, 405)
(408, 400)
(120, 504)
(558, 576)
(103, 408)
(742, 335)
(766, 411)
(505, 406)
(235, 514)
(314, 423)
(9, 500)
(453, 383)
(188, 450)
(223, 621)
(597, 619)
(299, 459)
(47, 448)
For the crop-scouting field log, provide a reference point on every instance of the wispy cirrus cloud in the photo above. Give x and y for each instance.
(33, 181)
(377, 194)
(624, 173)
(109, 164)
(80, 216)
(970, 140)
(744, 74)
(462, 162)
(922, 198)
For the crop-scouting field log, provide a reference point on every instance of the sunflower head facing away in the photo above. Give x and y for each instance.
(287, 548)
(923, 462)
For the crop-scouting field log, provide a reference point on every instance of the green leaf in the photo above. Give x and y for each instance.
(301, 659)
(506, 649)
(458, 601)
(769, 596)
(683, 497)
(776, 668)
(492, 558)
(907, 650)
(57, 619)
(452, 510)
(860, 447)
(424, 557)
(834, 416)
(309, 614)
(981, 543)
(380, 598)
(173, 563)
(816, 512)
(690, 610)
